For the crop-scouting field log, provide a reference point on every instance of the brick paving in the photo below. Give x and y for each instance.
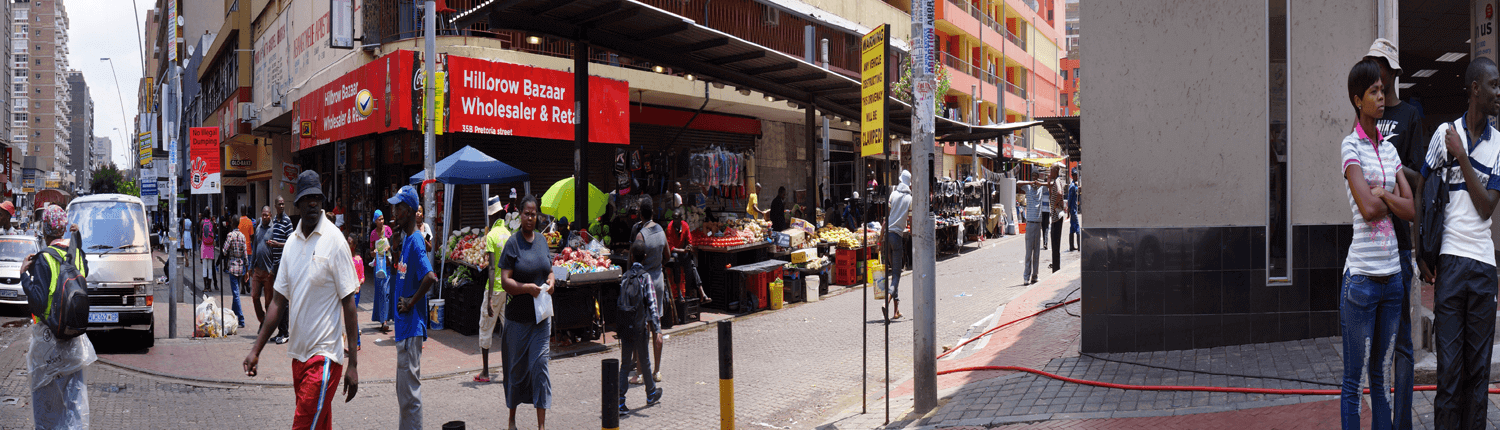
(793, 367)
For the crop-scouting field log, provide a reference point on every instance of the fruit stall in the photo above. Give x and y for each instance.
(724, 245)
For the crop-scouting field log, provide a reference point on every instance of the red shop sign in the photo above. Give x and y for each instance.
(491, 97)
(374, 98)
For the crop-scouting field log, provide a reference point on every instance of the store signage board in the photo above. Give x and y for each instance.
(172, 158)
(292, 49)
(144, 148)
(148, 189)
(204, 162)
(492, 97)
(374, 98)
(873, 91)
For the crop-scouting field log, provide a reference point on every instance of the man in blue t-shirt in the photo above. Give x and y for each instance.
(414, 270)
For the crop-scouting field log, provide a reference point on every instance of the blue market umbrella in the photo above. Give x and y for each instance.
(471, 166)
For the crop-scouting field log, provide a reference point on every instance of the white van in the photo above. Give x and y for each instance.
(117, 246)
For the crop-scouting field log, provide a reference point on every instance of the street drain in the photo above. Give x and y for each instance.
(16, 323)
(10, 401)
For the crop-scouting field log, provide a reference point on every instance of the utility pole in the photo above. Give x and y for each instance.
(171, 130)
(429, 145)
(924, 264)
(824, 174)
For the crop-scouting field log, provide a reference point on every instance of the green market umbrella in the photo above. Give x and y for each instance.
(559, 202)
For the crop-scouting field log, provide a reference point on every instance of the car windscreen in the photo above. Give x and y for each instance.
(17, 249)
(110, 226)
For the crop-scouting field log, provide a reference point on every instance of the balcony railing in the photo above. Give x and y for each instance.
(977, 72)
(986, 20)
(1013, 89)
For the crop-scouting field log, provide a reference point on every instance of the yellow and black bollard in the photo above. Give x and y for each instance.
(726, 376)
(610, 417)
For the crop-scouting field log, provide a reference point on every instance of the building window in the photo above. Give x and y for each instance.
(18, 116)
(1064, 100)
(1278, 216)
(1065, 75)
(1076, 74)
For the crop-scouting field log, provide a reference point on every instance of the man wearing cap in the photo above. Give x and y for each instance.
(59, 392)
(414, 278)
(316, 286)
(1402, 123)
(494, 297)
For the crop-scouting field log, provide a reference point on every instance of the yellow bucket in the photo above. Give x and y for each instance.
(776, 293)
(875, 276)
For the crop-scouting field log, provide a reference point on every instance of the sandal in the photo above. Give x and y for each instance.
(481, 379)
(657, 376)
(636, 380)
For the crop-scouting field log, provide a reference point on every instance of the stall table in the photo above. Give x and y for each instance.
(462, 301)
(713, 265)
(576, 304)
(747, 290)
(947, 238)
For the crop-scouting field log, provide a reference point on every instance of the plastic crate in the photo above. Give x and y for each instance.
(794, 288)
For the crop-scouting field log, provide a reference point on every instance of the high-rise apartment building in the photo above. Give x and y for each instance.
(80, 128)
(40, 114)
(101, 154)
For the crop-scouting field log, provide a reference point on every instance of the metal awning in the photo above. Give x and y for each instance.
(639, 30)
(1065, 130)
(985, 132)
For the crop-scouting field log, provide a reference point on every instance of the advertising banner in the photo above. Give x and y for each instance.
(241, 157)
(289, 174)
(491, 97)
(144, 148)
(374, 98)
(872, 92)
(203, 160)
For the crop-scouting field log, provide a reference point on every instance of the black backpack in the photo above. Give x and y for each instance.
(632, 303)
(65, 310)
(1434, 214)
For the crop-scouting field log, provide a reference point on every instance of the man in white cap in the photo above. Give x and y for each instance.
(1402, 123)
(494, 295)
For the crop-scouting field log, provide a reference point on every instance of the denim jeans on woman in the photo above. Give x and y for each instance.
(1368, 314)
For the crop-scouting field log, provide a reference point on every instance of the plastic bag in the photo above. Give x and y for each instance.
(543, 304)
(230, 321)
(49, 358)
(205, 323)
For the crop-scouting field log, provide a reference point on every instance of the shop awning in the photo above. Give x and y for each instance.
(1065, 129)
(639, 30)
(1043, 161)
(471, 166)
(985, 132)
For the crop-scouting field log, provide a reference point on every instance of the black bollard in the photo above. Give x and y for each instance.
(610, 417)
(726, 376)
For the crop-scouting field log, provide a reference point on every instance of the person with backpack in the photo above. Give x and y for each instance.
(60, 350)
(637, 317)
(206, 252)
(235, 251)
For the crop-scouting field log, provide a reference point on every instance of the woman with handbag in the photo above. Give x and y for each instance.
(1370, 308)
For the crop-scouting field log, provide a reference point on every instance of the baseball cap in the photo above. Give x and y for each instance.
(1383, 48)
(495, 206)
(308, 184)
(8, 207)
(407, 195)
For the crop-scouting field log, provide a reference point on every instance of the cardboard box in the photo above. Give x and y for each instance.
(804, 255)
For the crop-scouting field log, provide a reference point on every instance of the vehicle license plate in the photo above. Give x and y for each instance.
(104, 317)
(9, 293)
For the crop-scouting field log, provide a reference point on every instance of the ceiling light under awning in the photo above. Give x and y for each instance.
(1451, 57)
(1423, 73)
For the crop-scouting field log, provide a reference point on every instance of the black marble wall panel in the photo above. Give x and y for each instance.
(1154, 289)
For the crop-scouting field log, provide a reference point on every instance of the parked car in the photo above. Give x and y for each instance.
(13, 250)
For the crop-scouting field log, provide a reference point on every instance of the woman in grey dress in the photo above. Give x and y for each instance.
(526, 269)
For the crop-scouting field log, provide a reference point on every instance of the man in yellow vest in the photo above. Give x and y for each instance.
(494, 296)
(59, 393)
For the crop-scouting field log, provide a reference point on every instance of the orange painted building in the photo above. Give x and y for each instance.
(1068, 101)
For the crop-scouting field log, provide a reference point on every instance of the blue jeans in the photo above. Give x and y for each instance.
(1367, 316)
(234, 291)
(1402, 362)
(895, 253)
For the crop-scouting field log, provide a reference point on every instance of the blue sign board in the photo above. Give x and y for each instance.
(148, 188)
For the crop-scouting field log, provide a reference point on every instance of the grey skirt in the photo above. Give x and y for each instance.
(527, 351)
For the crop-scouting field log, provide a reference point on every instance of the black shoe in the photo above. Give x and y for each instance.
(623, 409)
(652, 398)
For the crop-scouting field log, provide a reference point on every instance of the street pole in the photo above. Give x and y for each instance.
(924, 309)
(824, 174)
(172, 224)
(429, 61)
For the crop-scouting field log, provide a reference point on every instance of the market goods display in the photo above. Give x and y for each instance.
(553, 239)
(751, 229)
(729, 238)
(838, 236)
(582, 261)
(466, 246)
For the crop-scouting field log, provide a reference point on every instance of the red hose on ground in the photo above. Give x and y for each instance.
(1296, 392)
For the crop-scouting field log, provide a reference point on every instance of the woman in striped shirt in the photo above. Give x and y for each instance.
(1371, 293)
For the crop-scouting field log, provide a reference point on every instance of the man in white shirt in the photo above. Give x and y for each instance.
(316, 283)
(1464, 305)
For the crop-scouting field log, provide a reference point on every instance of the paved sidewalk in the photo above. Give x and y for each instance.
(1049, 342)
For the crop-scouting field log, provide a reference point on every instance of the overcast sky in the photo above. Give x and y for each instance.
(103, 29)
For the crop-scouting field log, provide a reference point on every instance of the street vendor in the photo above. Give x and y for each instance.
(493, 303)
(752, 204)
(683, 268)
